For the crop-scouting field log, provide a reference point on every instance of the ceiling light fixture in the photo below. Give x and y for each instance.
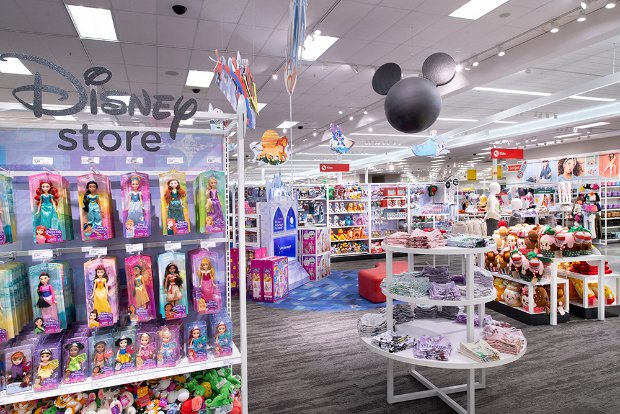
(64, 118)
(351, 118)
(200, 78)
(365, 112)
(596, 124)
(340, 112)
(457, 119)
(501, 52)
(582, 16)
(369, 129)
(610, 4)
(475, 9)
(572, 134)
(511, 91)
(284, 130)
(592, 98)
(261, 106)
(287, 124)
(584, 5)
(93, 23)
(505, 122)
(317, 32)
(475, 63)
(459, 67)
(14, 66)
(315, 46)
(554, 28)
(314, 134)
(274, 76)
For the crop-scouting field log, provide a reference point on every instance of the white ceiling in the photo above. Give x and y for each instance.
(153, 41)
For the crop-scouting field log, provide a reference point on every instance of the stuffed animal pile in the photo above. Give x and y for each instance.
(199, 392)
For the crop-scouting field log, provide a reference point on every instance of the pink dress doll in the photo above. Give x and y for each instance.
(209, 292)
(146, 352)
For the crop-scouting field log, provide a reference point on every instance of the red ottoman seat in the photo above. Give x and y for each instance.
(369, 280)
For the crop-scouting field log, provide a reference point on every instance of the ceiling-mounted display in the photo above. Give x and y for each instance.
(385, 77)
(413, 104)
(272, 148)
(294, 43)
(435, 145)
(235, 80)
(338, 142)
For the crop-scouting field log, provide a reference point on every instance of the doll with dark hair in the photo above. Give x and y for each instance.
(91, 204)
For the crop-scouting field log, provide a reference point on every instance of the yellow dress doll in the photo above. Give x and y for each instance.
(47, 366)
(101, 302)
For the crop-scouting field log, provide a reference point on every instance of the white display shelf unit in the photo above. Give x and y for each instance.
(236, 126)
(608, 226)
(184, 367)
(585, 310)
(457, 334)
(319, 200)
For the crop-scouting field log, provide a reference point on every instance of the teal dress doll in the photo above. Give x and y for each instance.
(174, 197)
(91, 204)
(46, 215)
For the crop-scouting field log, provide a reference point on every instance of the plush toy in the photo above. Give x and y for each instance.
(531, 241)
(511, 241)
(489, 261)
(501, 264)
(512, 295)
(516, 264)
(568, 243)
(586, 245)
(547, 243)
(541, 298)
(500, 285)
(525, 297)
(341, 235)
(534, 269)
(609, 295)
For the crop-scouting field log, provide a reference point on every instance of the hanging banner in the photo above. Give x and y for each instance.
(514, 167)
(328, 168)
(507, 153)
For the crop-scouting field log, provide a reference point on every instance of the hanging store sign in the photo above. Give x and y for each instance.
(329, 168)
(514, 167)
(507, 153)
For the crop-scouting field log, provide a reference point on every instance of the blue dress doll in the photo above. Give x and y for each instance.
(91, 204)
(135, 210)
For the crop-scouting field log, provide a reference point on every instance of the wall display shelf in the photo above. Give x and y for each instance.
(388, 212)
(587, 308)
(311, 205)
(610, 211)
(348, 207)
(455, 332)
(211, 156)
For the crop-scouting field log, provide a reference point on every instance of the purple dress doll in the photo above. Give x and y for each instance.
(215, 218)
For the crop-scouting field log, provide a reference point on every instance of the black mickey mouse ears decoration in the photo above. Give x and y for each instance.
(385, 77)
(413, 104)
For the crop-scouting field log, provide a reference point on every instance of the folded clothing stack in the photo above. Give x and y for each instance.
(438, 348)
(399, 239)
(408, 284)
(371, 324)
(437, 274)
(479, 350)
(402, 312)
(461, 317)
(483, 277)
(392, 342)
(467, 241)
(426, 239)
(425, 312)
(505, 340)
(444, 291)
(449, 312)
(479, 291)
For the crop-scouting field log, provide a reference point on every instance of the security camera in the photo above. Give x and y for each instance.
(196, 90)
(179, 9)
(300, 127)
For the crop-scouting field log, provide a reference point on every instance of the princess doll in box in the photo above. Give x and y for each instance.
(214, 222)
(135, 207)
(146, 357)
(101, 301)
(197, 344)
(91, 204)
(172, 284)
(46, 198)
(209, 292)
(47, 299)
(140, 288)
(47, 368)
(223, 340)
(74, 361)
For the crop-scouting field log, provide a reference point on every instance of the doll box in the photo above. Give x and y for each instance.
(251, 253)
(269, 278)
(315, 240)
(317, 267)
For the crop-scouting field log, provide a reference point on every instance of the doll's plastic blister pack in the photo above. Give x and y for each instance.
(174, 204)
(173, 301)
(136, 205)
(94, 193)
(208, 278)
(101, 287)
(8, 227)
(51, 208)
(210, 202)
(139, 272)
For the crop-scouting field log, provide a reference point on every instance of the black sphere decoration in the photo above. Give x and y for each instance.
(412, 105)
(439, 68)
(385, 77)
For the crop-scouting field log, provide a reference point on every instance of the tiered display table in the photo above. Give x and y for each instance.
(456, 332)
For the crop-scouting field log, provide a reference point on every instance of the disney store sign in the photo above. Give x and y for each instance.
(160, 107)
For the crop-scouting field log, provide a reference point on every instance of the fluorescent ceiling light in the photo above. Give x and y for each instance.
(388, 135)
(457, 119)
(512, 91)
(505, 122)
(261, 106)
(199, 78)
(592, 98)
(14, 66)
(64, 118)
(379, 147)
(316, 45)
(572, 134)
(287, 124)
(592, 125)
(475, 9)
(93, 23)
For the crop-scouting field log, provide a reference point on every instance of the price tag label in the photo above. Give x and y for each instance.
(43, 160)
(97, 251)
(46, 254)
(206, 244)
(174, 160)
(90, 160)
(134, 248)
(212, 160)
(135, 160)
(172, 246)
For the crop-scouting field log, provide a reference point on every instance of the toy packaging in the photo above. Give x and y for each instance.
(18, 368)
(251, 253)
(317, 266)
(208, 278)
(94, 194)
(210, 202)
(124, 354)
(51, 208)
(174, 205)
(47, 364)
(101, 355)
(140, 289)
(75, 359)
(315, 240)
(221, 335)
(101, 287)
(196, 341)
(136, 205)
(8, 228)
(15, 308)
(269, 278)
(173, 302)
(169, 350)
(147, 343)
(48, 282)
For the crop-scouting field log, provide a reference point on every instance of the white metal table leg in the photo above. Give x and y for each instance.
(471, 391)
(553, 318)
(530, 300)
(601, 290)
(483, 378)
(390, 381)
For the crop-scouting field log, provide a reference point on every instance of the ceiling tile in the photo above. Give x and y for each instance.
(375, 23)
(50, 18)
(119, 73)
(104, 52)
(248, 39)
(201, 60)
(213, 35)
(344, 50)
(140, 55)
(175, 31)
(344, 17)
(402, 4)
(266, 13)
(169, 57)
(144, 74)
(223, 11)
(373, 52)
(142, 6)
(135, 27)
(276, 44)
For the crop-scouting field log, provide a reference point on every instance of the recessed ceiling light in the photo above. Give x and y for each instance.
(505, 122)
(582, 16)
(475, 9)
(261, 106)
(93, 23)
(501, 52)
(284, 130)
(610, 4)
(554, 28)
(171, 73)
(199, 78)
(365, 112)
(315, 46)
(592, 125)
(314, 134)
(340, 112)
(592, 98)
(274, 76)
(512, 91)
(459, 68)
(369, 129)
(475, 62)
(351, 118)
(457, 119)
(287, 124)
(14, 66)
(584, 5)
(317, 32)
(467, 68)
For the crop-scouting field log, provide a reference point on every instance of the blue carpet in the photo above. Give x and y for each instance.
(337, 292)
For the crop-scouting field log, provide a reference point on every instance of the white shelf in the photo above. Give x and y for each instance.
(357, 200)
(611, 209)
(524, 282)
(433, 327)
(311, 199)
(425, 300)
(344, 227)
(584, 258)
(446, 250)
(352, 240)
(349, 254)
(127, 378)
(520, 308)
(613, 227)
(585, 278)
(429, 214)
